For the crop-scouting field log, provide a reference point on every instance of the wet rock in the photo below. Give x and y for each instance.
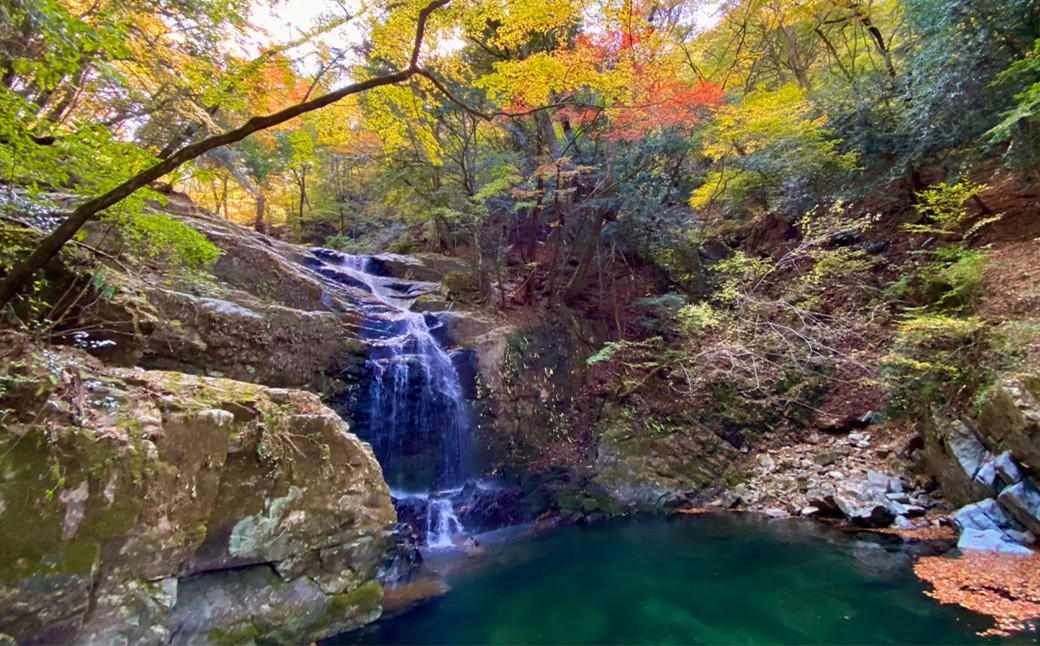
(423, 266)
(1022, 501)
(990, 540)
(481, 508)
(403, 558)
(809, 511)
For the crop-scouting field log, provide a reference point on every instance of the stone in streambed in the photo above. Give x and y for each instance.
(990, 540)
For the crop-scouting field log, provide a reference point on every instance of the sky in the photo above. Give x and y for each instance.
(285, 20)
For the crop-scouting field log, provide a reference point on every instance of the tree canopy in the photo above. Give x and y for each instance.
(536, 128)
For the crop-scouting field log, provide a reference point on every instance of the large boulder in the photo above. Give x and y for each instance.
(146, 506)
(866, 506)
(251, 341)
(985, 514)
(955, 455)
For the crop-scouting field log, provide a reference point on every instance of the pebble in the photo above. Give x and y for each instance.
(824, 459)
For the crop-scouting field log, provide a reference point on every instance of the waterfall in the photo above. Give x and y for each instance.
(413, 409)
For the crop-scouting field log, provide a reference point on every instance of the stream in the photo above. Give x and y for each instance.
(710, 578)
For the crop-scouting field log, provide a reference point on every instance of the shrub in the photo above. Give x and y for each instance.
(934, 359)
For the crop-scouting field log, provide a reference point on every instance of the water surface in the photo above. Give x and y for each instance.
(707, 579)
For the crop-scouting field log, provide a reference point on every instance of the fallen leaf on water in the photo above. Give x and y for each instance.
(1002, 586)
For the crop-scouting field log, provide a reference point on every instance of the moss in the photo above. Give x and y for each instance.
(590, 505)
(345, 608)
(241, 633)
(367, 595)
(734, 478)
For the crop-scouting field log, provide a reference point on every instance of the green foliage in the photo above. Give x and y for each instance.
(1021, 124)
(943, 207)
(762, 143)
(963, 45)
(946, 279)
(606, 353)
(156, 235)
(934, 359)
(658, 314)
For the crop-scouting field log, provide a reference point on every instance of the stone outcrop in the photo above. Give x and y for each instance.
(150, 507)
(527, 380)
(645, 466)
(1009, 420)
(987, 464)
(955, 455)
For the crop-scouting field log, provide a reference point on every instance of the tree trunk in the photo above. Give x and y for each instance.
(223, 198)
(577, 282)
(261, 206)
(532, 225)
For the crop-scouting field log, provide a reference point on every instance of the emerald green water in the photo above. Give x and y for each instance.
(707, 579)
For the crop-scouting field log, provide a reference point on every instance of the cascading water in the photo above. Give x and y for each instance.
(442, 525)
(413, 412)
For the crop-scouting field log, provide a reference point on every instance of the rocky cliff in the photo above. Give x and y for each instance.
(165, 475)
